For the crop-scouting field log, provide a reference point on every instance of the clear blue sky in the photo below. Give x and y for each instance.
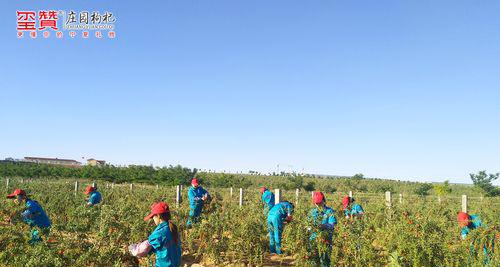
(396, 89)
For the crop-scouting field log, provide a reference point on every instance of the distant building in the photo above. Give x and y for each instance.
(96, 162)
(53, 161)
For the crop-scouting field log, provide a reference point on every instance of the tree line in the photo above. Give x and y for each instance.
(170, 175)
(177, 175)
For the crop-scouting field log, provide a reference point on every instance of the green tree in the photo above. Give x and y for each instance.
(329, 189)
(484, 181)
(358, 176)
(384, 188)
(310, 186)
(423, 189)
(442, 189)
(296, 181)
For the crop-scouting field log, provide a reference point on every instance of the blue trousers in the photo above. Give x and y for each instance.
(275, 228)
(194, 214)
(36, 234)
(322, 258)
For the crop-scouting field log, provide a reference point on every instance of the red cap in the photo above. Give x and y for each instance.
(318, 197)
(463, 217)
(157, 208)
(88, 190)
(345, 202)
(194, 181)
(262, 189)
(17, 192)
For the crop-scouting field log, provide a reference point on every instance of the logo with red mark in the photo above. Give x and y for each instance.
(53, 24)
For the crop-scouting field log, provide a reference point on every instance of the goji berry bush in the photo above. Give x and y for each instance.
(417, 232)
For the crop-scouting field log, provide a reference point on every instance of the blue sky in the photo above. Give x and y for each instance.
(395, 89)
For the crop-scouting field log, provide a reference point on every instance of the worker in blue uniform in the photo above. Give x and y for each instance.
(33, 215)
(278, 216)
(95, 196)
(352, 209)
(322, 220)
(197, 197)
(471, 222)
(164, 241)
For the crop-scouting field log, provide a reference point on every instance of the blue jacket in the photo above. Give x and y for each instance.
(95, 198)
(324, 216)
(475, 223)
(280, 211)
(34, 215)
(168, 253)
(195, 196)
(355, 209)
(268, 198)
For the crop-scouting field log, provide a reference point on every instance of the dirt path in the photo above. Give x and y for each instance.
(270, 260)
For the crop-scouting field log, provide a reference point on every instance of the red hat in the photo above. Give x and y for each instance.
(194, 181)
(346, 201)
(17, 192)
(463, 217)
(318, 197)
(262, 189)
(88, 190)
(157, 208)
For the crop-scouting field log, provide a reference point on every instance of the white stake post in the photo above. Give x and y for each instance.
(464, 203)
(178, 195)
(7, 185)
(388, 199)
(400, 198)
(76, 187)
(350, 194)
(231, 192)
(94, 185)
(277, 196)
(312, 194)
(131, 186)
(157, 186)
(297, 196)
(241, 197)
